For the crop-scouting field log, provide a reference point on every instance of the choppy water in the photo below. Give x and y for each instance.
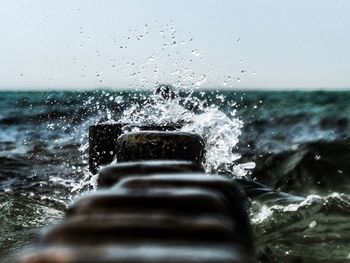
(298, 140)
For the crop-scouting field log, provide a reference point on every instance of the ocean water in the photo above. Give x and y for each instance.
(295, 142)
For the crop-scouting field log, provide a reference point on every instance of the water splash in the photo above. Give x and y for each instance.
(221, 135)
(220, 131)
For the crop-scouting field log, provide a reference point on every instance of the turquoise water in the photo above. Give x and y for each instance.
(294, 135)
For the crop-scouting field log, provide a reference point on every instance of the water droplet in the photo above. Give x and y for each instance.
(201, 80)
(312, 224)
(248, 166)
(195, 52)
(109, 114)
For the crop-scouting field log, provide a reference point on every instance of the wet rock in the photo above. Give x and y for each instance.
(316, 167)
(184, 212)
(141, 253)
(142, 227)
(215, 183)
(153, 145)
(111, 174)
(185, 201)
(103, 138)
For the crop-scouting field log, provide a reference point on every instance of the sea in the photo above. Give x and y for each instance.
(294, 142)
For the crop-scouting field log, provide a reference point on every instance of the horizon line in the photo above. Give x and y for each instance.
(75, 89)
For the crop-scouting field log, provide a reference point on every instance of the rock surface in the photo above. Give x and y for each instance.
(158, 145)
(103, 138)
(111, 174)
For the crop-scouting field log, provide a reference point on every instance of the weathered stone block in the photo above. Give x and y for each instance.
(103, 138)
(102, 141)
(238, 203)
(185, 201)
(175, 252)
(111, 174)
(157, 145)
(141, 227)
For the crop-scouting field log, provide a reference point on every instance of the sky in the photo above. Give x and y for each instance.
(254, 44)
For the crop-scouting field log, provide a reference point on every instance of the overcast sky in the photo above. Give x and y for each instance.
(121, 44)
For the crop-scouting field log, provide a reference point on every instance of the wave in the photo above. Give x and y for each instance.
(313, 230)
(319, 167)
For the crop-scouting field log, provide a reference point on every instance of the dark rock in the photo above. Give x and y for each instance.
(186, 201)
(316, 167)
(157, 145)
(102, 141)
(103, 138)
(107, 229)
(227, 187)
(111, 174)
(161, 252)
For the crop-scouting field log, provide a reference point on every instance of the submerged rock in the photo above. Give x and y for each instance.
(315, 167)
